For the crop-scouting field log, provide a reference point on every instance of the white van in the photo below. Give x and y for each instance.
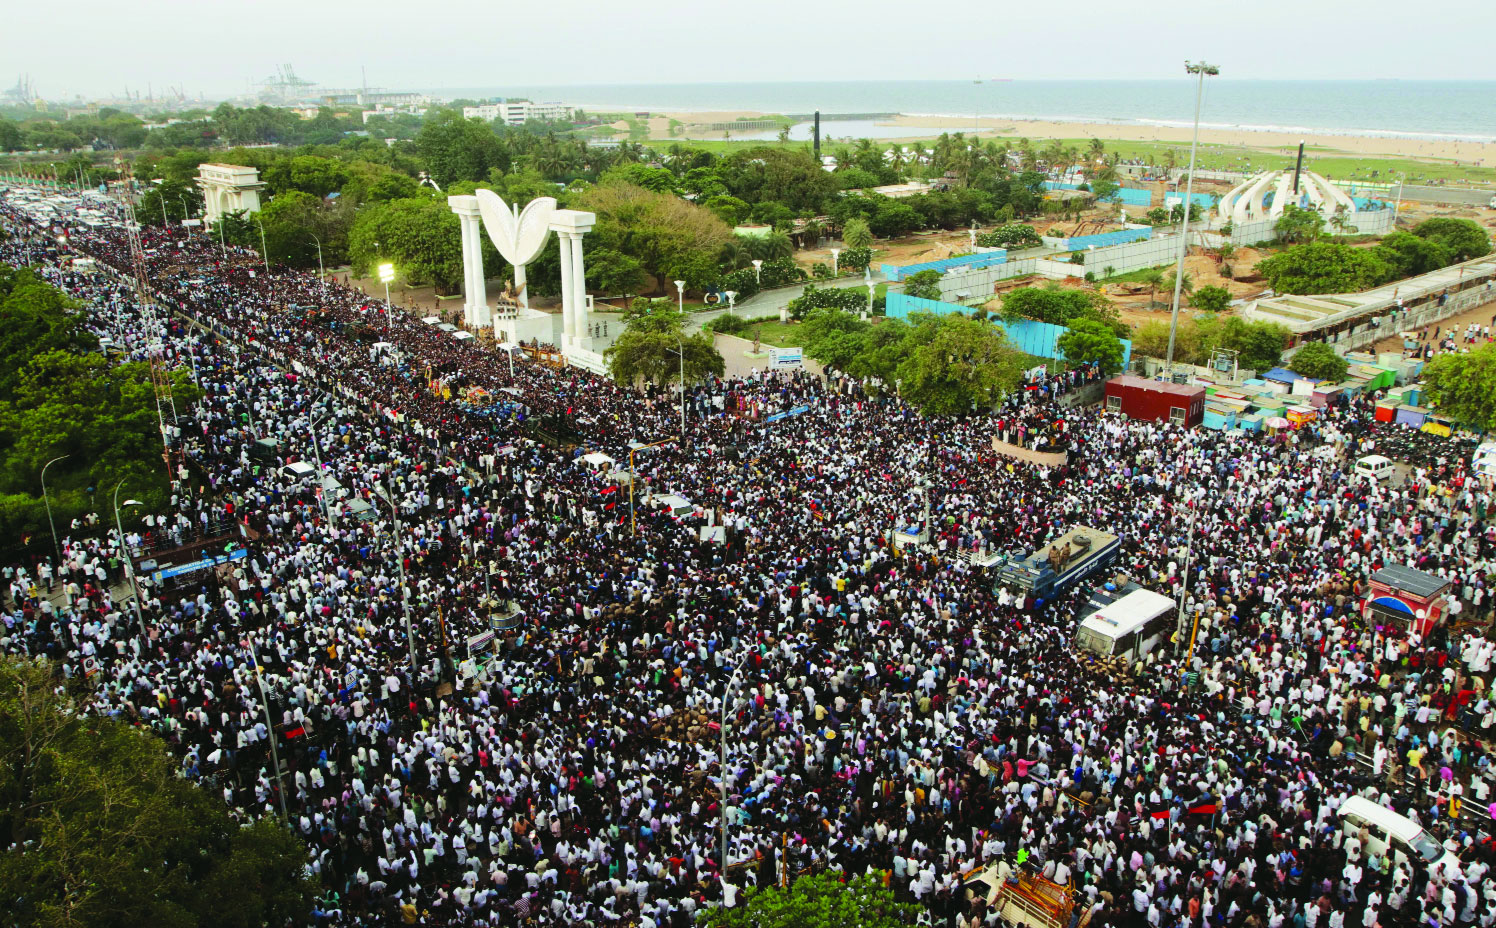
(1394, 835)
(1375, 467)
(1133, 625)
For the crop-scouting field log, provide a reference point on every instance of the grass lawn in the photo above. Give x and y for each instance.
(776, 333)
(1137, 276)
(1339, 166)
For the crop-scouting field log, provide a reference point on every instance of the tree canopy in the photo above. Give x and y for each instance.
(1465, 238)
(1463, 386)
(1089, 341)
(60, 396)
(647, 350)
(815, 901)
(112, 836)
(1319, 361)
(1324, 267)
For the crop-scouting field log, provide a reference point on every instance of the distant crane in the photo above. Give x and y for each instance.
(285, 85)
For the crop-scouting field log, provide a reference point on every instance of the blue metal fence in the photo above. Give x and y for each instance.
(1119, 237)
(1036, 338)
(981, 259)
(1132, 196)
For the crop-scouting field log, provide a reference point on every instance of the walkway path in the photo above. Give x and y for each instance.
(769, 302)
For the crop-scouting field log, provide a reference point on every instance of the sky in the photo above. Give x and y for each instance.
(92, 48)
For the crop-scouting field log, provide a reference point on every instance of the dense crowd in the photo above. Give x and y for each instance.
(899, 715)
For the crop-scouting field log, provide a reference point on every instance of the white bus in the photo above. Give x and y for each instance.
(1133, 625)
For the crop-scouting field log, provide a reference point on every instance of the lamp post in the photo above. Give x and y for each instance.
(280, 788)
(1200, 70)
(317, 456)
(124, 551)
(386, 274)
(264, 249)
(758, 271)
(185, 213)
(1397, 204)
(321, 274)
(835, 267)
(55, 546)
(867, 278)
(680, 293)
(404, 590)
(722, 766)
(732, 299)
(681, 353)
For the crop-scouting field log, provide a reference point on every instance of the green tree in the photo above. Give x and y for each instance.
(669, 237)
(456, 149)
(1259, 345)
(1154, 278)
(1212, 299)
(1464, 238)
(1463, 386)
(1411, 255)
(1089, 341)
(167, 202)
(112, 836)
(420, 236)
(1300, 226)
(925, 285)
(857, 234)
(1318, 361)
(1059, 305)
(647, 350)
(1013, 235)
(952, 364)
(1324, 267)
(815, 901)
(291, 221)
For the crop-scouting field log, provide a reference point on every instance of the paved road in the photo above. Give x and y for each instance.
(768, 303)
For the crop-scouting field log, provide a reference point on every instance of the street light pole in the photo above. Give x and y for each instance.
(722, 767)
(404, 590)
(264, 249)
(321, 274)
(55, 546)
(317, 455)
(1200, 70)
(124, 552)
(680, 292)
(280, 786)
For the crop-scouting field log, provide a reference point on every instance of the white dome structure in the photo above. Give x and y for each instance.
(1267, 195)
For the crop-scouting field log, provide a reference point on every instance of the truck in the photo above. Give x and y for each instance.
(1131, 625)
(1078, 553)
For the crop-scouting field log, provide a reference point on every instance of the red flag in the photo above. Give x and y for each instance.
(1209, 808)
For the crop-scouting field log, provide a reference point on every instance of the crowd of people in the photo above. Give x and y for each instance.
(887, 712)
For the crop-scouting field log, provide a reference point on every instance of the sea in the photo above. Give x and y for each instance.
(1432, 110)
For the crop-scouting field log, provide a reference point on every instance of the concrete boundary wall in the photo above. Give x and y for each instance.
(979, 283)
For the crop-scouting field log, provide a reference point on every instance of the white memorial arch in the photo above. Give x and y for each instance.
(1267, 195)
(520, 236)
(228, 188)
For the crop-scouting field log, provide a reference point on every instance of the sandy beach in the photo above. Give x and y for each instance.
(1463, 152)
(1476, 153)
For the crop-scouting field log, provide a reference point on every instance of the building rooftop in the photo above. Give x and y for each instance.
(1408, 580)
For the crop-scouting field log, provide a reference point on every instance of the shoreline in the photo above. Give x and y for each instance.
(1390, 144)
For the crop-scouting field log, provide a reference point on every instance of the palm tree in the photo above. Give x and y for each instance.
(1096, 150)
(1186, 284)
(1154, 278)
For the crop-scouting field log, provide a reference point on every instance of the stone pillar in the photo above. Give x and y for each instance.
(567, 296)
(579, 315)
(475, 303)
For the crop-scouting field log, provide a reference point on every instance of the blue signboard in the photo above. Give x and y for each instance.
(176, 570)
(798, 410)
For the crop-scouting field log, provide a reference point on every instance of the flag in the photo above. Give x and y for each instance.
(1208, 808)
